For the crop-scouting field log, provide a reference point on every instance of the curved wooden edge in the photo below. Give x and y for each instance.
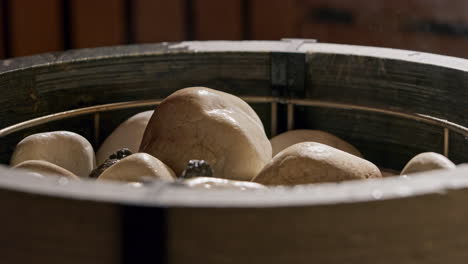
(46, 59)
(387, 53)
(164, 194)
(285, 45)
(310, 46)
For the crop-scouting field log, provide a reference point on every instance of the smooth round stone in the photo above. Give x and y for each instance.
(138, 167)
(312, 162)
(45, 168)
(62, 148)
(427, 161)
(289, 138)
(199, 123)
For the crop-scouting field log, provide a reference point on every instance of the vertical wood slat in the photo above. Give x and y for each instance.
(36, 26)
(389, 25)
(158, 20)
(218, 20)
(97, 23)
(274, 19)
(2, 31)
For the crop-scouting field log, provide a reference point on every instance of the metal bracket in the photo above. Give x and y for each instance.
(287, 74)
(288, 69)
(287, 81)
(296, 43)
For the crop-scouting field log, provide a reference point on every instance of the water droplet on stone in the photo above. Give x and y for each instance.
(404, 191)
(377, 194)
(136, 184)
(63, 181)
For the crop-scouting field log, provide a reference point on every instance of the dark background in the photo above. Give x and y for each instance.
(30, 26)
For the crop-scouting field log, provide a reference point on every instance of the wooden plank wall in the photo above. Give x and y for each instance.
(218, 20)
(97, 23)
(425, 25)
(2, 33)
(30, 27)
(158, 20)
(35, 26)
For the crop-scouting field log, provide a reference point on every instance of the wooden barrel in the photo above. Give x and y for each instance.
(390, 104)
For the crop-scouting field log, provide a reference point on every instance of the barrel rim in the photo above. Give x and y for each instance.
(174, 194)
(285, 45)
(163, 194)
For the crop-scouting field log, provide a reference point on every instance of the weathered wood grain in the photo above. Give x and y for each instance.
(415, 220)
(387, 83)
(41, 229)
(411, 230)
(458, 144)
(46, 90)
